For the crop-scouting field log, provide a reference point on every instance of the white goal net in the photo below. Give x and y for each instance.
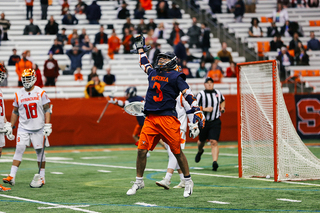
(268, 141)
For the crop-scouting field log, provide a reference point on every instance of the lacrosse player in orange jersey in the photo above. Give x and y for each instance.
(32, 106)
(5, 126)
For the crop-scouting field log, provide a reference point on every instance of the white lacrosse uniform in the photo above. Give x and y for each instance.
(2, 116)
(31, 116)
(181, 107)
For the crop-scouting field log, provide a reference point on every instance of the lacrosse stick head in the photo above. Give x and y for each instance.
(36, 181)
(135, 108)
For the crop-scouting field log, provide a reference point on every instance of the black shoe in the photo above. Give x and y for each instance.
(215, 166)
(198, 156)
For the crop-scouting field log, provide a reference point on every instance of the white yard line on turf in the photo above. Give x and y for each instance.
(145, 204)
(47, 203)
(205, 153)
(218, 202)
(284, 199)
(2, 212)
(164, 170)
(59, 207)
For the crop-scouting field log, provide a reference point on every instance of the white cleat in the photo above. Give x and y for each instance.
(135, 187)
(164, 183)
(188, 188)
(182, 184)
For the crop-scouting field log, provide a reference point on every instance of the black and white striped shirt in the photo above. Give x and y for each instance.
(210, 98)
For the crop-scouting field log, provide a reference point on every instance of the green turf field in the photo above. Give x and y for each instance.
(96, 179)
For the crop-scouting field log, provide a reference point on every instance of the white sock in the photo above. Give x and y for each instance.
(181, 176)
(168, 176)
(13, 171)
(139, 179)
(42, 172)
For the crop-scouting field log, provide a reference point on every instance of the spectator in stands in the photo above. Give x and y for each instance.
(153, 53)
(97, 57)
(224, 54)
(255, 31)
(31, 29)
(82, 35)
(313, 3)
(29, 5)
(313, 43)
(194, 33)
(285, 30)
(94, 88)
(128, 25)
(52, 27)
(101, 37)
(276, 43)
(28, 55)
(239, 9)
(62, 37)
(151, 24)
(150, 39)
(114, 44)
(175, 34)
(93, 72)
(23, 64)
(186, 70)
(293, 44)
(75, 40)
(174, 11)
(86, 44)
(190, 57)
(272, 30)
(215, 6)
(69, 19)
(39, 81)
(75, 56)
(127, 41)
(205, 38)
(139, 11)
(142, 27)
(302, 58)
(180, 49)
(207, 57)
(109, 78)
(215, 73)
(56, 48)
(285, 60)
(14, 58)
(50, 70)
(230, 5)
(298, 49)
(298, 3)
(44, 9)
(93, 13)
(231, 71)
(77, 75)
(81, 7)
(217, 60)
(202, 70)
(5, 23)
(65, 7)
(73, 35)
(160, 31)
(124, 12)
(162, 9)
(280, 14)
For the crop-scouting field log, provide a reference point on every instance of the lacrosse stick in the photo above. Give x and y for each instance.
(135, 108)
(36, 181)
(105, 108)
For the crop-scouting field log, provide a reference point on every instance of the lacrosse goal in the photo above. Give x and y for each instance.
(268, 143)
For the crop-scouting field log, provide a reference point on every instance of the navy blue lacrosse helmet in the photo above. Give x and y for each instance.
(169, 65)
(131, 92)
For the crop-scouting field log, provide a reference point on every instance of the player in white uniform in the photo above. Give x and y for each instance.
(32, 106)
(181, 107)
(5, 127)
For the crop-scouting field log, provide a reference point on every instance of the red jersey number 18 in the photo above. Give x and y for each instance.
(31, 110)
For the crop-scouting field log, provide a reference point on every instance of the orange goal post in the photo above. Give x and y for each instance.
(268, 144)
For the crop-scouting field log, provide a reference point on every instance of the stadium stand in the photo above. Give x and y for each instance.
(124, 66)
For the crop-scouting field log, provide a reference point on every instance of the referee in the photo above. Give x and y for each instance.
(212, 102)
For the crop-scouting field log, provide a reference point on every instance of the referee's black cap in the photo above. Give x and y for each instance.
(208, 79)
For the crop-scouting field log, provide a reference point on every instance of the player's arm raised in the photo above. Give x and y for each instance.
(139, 42)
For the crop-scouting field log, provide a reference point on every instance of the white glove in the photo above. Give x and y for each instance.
(113, 101)
(193, 130)
(7, 126)
(47, 129)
